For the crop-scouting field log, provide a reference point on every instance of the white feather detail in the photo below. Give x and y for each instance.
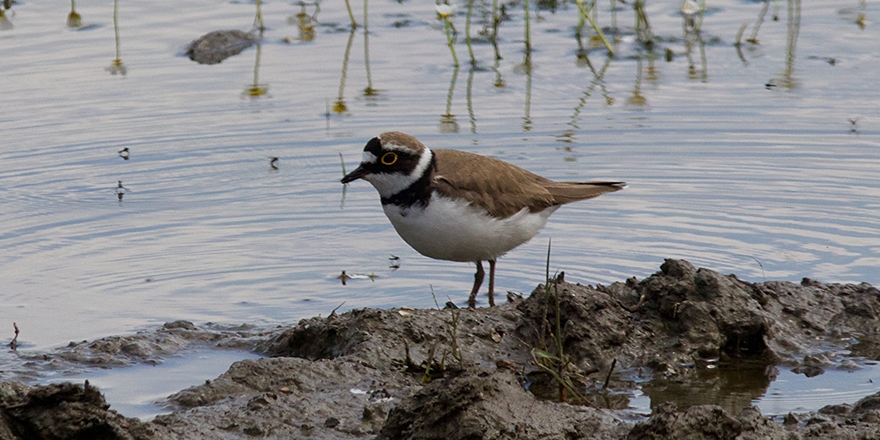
(453, 229)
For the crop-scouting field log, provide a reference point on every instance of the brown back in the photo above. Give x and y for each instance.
(505, 189)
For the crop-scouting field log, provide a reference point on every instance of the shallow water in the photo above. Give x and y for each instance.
(140, 390)
(744, 163)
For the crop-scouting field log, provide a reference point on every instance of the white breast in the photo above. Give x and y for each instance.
(453, 229)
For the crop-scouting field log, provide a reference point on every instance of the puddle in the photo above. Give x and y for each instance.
(774, 390)
(139, 391)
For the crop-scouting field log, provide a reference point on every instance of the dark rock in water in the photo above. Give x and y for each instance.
(217, 46)
(63, 411)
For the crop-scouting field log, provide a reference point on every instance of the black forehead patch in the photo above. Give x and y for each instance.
(374, 146)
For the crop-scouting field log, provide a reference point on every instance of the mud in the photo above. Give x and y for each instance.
(536, 367)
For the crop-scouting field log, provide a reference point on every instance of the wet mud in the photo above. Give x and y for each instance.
(556, 365)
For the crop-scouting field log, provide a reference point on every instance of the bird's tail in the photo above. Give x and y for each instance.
(567, 192)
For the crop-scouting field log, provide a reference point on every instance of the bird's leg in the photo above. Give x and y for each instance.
(478, 281)
(492, 283)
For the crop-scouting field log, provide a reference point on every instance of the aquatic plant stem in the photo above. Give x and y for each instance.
(528, 28)
(586, 15)
(350, 14)
(258, 20)
(447, 24)
(467, 32)
(116, 26)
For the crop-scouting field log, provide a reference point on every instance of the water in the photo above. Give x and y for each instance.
(768, 182)
(140, 390)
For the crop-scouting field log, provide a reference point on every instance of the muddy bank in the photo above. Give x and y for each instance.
(468, 374)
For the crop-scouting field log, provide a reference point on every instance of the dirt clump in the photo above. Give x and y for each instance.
(475, 373)
(63, 411)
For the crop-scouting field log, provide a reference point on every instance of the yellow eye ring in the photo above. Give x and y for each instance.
(389, 158)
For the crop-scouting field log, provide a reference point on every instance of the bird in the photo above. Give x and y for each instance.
(460, 206)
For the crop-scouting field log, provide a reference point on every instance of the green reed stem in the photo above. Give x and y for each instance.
(447, 24)
(596, 28)
(467, 32)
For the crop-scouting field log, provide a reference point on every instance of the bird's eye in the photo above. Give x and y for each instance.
(389, 158)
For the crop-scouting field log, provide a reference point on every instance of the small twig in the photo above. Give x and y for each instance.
(608, 377)
(333, 312)
(14, 343)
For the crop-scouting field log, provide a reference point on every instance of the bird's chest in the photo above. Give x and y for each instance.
(453, 229)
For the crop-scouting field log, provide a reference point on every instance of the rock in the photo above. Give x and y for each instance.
(65, 411)
(216, 46)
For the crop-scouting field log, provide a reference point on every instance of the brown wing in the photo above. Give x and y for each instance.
(503, 189)
(567, 192)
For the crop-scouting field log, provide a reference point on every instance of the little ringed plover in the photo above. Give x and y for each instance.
(459, 206)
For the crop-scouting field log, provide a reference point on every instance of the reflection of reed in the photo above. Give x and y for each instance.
(256, 89)
(637, 99)
(692, 38)
(499, 81)
(339, 106)
(568, 136)
(116, 65)
(643, 26)
(304, 22)
(526, 68)
(448, 124)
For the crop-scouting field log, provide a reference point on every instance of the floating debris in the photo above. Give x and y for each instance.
(120, 190)
(123, 153)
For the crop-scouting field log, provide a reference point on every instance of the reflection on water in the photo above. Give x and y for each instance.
(733, 387)
(448, 123)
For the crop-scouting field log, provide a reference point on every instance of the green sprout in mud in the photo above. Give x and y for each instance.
(558, 364)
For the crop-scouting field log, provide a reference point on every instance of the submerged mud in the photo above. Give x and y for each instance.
(536, 367)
